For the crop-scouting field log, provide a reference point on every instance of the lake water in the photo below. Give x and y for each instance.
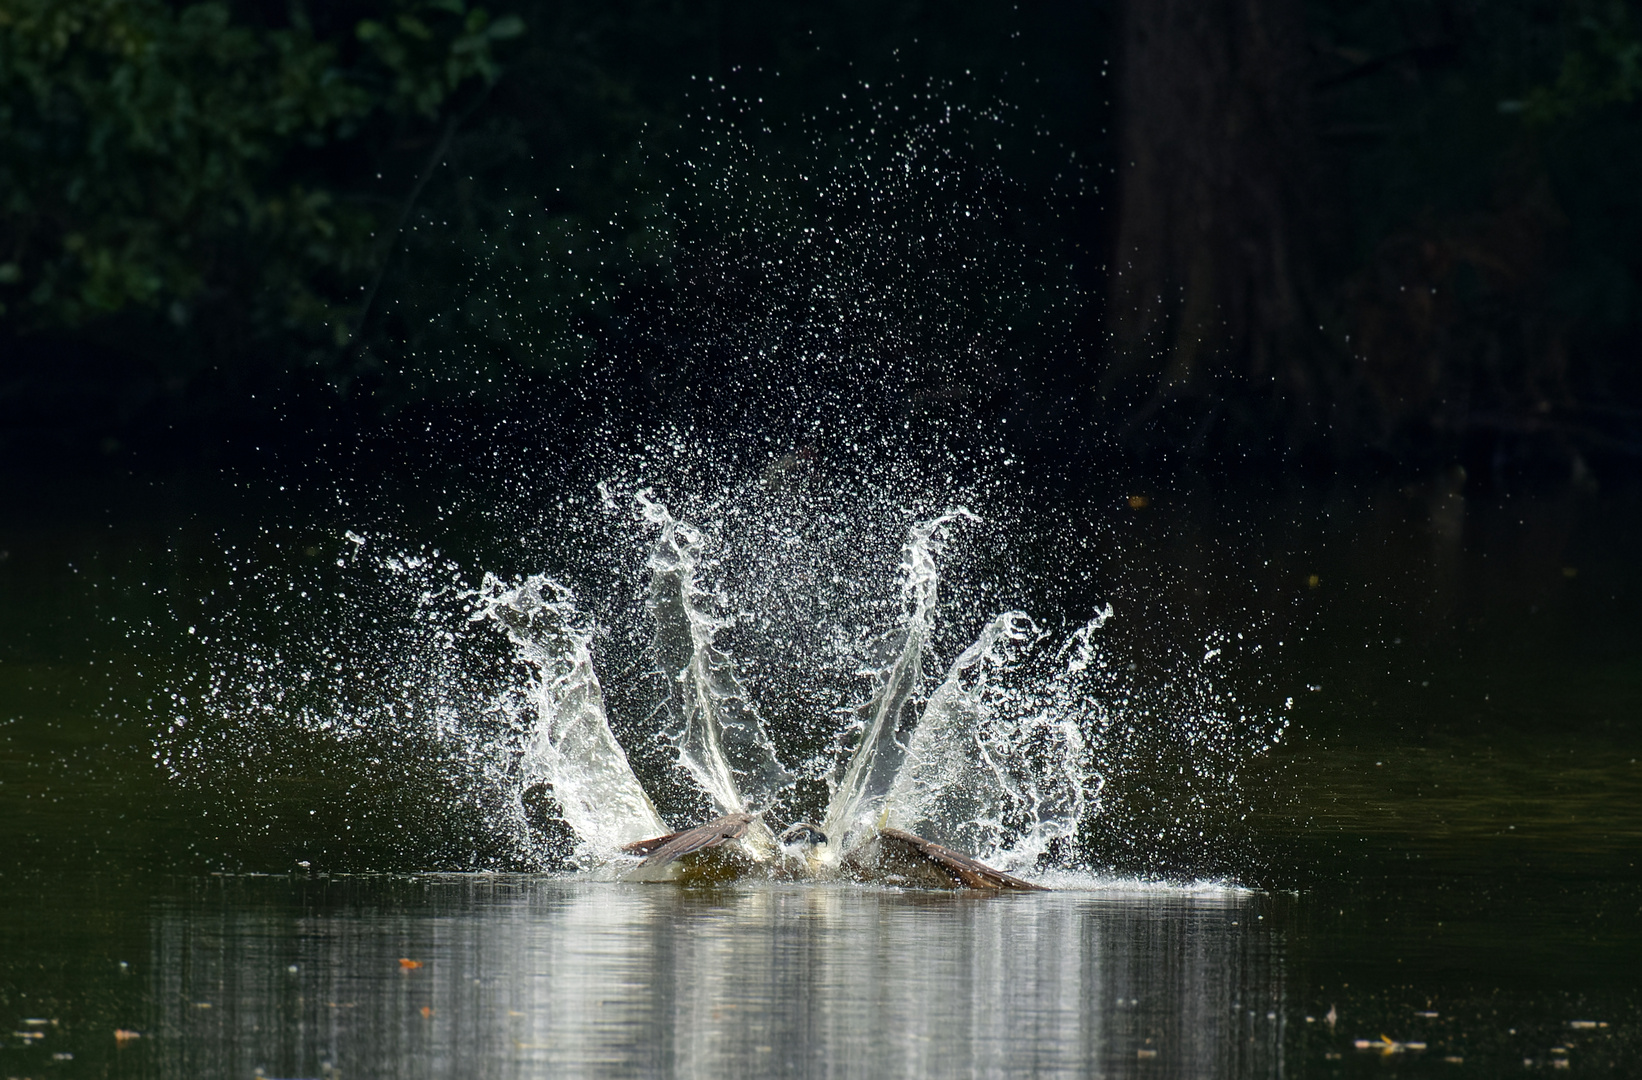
(516, 976)
(1437, 874)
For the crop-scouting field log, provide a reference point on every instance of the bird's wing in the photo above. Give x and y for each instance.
(965, 872)
(661, 850)
(645, 847)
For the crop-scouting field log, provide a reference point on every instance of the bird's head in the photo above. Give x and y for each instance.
(801, 837)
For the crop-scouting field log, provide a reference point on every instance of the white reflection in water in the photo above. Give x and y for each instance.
(542, 976)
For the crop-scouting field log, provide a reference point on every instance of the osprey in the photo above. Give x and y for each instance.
(717, 852)
(918, 766)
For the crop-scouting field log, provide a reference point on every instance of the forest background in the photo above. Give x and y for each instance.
(1386, 235)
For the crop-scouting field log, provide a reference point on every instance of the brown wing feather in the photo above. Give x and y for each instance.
(662, 850)
(645, 847)
(965, 871)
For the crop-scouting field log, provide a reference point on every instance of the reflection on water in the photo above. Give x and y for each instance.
(1450, 842)
(539, 976)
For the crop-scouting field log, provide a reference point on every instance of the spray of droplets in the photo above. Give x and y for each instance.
(756, 512)
(537, 736)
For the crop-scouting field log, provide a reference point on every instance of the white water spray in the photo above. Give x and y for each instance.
(989, 769)
(982, 763)
(889, 717)
(570, 747)
(720, 737)
(485, 697)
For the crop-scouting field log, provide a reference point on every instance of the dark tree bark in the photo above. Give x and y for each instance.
(1210, 271)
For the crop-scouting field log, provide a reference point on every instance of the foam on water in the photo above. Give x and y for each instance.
(1124, 887)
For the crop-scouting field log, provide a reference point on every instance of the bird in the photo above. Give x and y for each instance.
(709, 854)
(897, 857)
(702, 855)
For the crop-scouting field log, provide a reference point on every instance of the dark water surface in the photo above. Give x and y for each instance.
(1444, 854)
(535, 976)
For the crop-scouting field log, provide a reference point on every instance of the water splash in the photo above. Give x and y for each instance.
(991, 770)
(889, 717)
(570, 746)
(810, 388)
(994, 761)
(429, 703)
(720, 738)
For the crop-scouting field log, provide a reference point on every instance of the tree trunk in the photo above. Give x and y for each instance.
(1210, 271)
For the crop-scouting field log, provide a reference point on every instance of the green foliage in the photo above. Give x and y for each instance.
(546, 217)
(1603, 67)
(369, 199)
(428, 62)
(151, 157)
(416, 200)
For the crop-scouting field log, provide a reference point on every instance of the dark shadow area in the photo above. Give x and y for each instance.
(1381, 238)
